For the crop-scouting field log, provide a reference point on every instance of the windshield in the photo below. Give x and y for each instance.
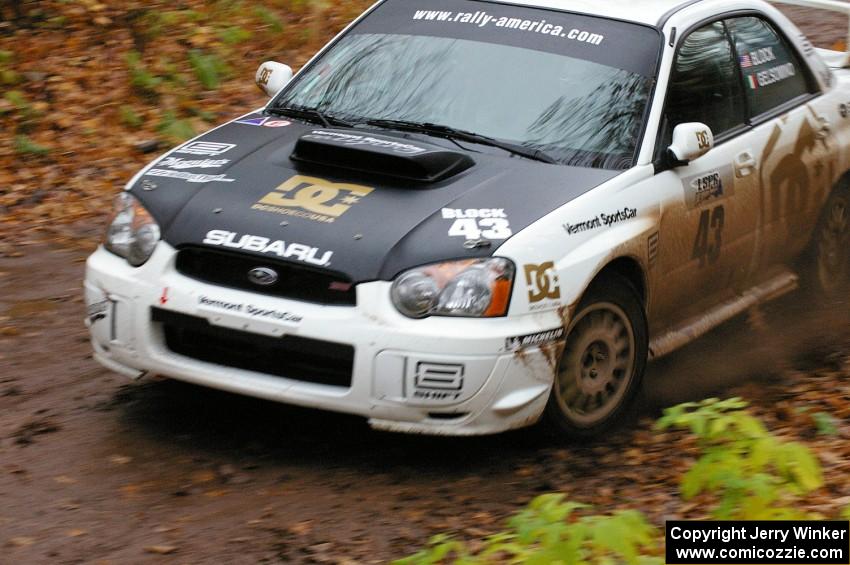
(531, 81)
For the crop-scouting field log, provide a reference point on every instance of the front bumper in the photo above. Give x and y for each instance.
(488, 387)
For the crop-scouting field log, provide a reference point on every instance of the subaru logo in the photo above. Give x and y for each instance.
(262, 276)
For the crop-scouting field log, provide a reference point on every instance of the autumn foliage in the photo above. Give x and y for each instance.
(91, 91)
(744, 472)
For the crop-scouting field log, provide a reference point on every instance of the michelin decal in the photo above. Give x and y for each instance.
(534, 340)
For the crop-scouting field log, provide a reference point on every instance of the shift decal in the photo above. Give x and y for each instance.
(206, 148)
(312, 198)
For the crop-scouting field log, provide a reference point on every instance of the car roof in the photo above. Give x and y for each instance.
(642, 11)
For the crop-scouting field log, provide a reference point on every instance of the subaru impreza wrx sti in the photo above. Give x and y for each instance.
(463, 216)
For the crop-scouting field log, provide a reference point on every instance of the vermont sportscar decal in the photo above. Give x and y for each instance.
(601, 220)
(249, 309)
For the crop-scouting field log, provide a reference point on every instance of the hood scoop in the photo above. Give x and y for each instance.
(380, 155)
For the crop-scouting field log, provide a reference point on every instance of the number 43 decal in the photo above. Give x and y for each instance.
(709, 240)
(489, 228)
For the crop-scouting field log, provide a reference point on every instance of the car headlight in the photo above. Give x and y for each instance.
(132, 232)
(478, 288)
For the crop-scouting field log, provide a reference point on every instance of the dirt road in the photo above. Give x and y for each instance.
(96, 469)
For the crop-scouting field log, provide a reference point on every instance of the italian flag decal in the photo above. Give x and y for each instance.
(753, 82)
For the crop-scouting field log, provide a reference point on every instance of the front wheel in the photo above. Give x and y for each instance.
(603, 362)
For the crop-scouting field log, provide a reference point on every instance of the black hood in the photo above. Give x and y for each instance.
(238, 187)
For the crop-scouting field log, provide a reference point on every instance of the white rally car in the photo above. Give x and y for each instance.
(463, 216)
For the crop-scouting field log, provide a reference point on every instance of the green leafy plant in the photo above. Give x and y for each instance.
(753, 474)
(26, 146)
(269, 18)
(130, 117)
(8, 76)
(141, 78)
(23, 109)
(234, 35)
(549, 531)
(20, 102)
(175, 129)
(826, 424)
(208, 68)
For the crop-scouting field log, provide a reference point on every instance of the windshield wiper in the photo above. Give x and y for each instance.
(311, 114)
(463, 135)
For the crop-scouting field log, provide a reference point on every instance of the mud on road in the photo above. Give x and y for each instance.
(94, 468)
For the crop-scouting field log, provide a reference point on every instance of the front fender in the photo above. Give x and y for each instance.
(558, 256)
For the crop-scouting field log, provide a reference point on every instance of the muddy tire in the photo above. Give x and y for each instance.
(603, 363)
(827, 269)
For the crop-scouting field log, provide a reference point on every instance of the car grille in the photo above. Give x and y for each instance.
(297, 282)
(292, 357)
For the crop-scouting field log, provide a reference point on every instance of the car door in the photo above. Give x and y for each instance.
(708, 229)
(797, 154)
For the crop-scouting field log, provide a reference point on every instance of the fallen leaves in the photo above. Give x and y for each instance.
(67, 107)
(27, 433)
(20, 541)
(161, 549)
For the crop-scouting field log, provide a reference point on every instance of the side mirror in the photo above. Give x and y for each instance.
(271, 77)
(690, 142)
